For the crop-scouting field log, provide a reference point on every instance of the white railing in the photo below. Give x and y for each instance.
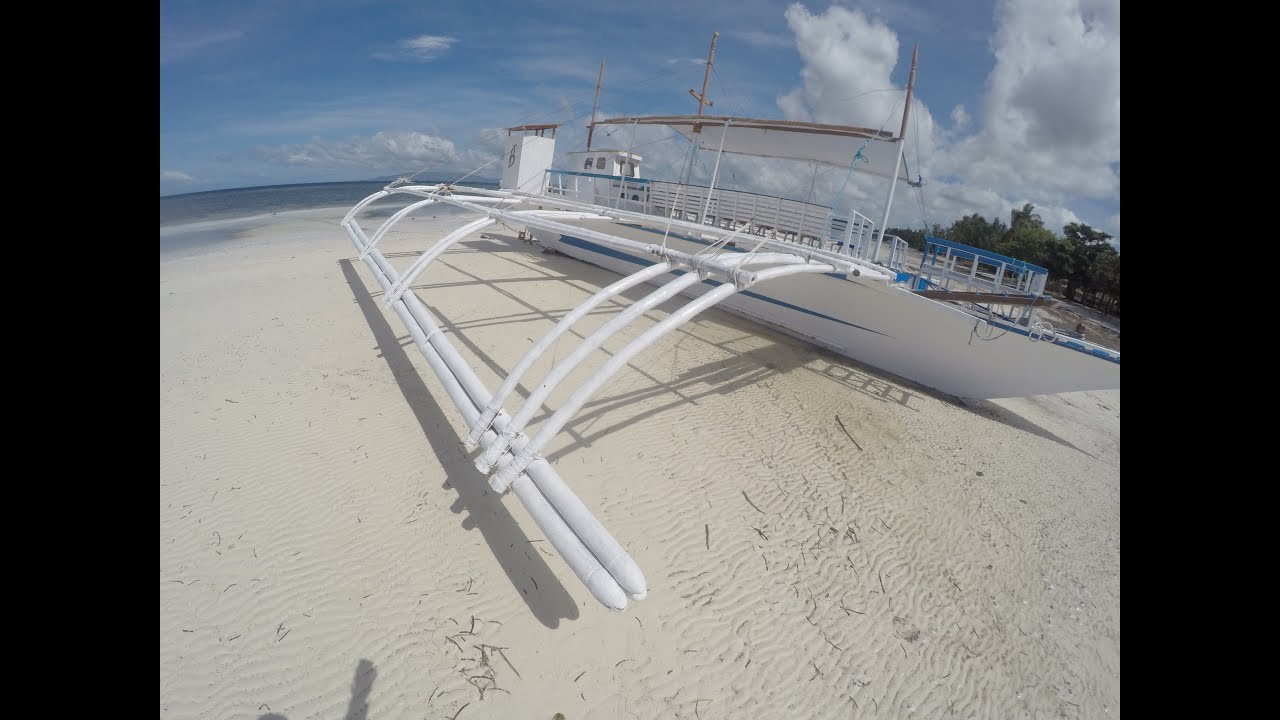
(897, 249)
(776, 218)
(956, 267)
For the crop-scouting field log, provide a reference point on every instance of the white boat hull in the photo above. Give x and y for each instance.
(932, 343)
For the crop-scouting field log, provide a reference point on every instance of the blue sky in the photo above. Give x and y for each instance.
(1019, 98)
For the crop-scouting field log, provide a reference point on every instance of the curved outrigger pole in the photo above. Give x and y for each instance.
(513, 459)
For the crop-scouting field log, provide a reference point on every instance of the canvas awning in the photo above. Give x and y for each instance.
(785, 139)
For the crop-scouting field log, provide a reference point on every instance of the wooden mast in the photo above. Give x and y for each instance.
(911, 85)
(702, 97)
(591, 129)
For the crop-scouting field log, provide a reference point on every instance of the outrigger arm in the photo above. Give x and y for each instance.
(514, 460)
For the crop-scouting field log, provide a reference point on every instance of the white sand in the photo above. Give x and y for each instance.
(325, 543)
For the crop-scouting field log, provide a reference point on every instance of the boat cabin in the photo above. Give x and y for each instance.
(618, 163)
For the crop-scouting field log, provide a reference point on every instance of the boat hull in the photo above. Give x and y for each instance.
(935, 344)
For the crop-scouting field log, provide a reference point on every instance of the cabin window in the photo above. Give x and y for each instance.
(600, 163)
(631, 169)
(587, 165)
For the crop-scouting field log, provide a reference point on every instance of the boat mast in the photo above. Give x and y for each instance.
(591, 129)
(702, 97)
(697, 128)
(900, 144)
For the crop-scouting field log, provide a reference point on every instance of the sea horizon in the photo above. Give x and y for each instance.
(229, 203)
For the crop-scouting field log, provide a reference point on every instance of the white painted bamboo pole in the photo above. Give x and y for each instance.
(548, 430)
(561, 370)
(400, 214)
(587, 527)
(724, 133)
(584, 563)
(579, 518)
(575, 514)
(422, 261)
(893, 185)
(487, 461)
(362, 205)
(391, 222)
(535, 352)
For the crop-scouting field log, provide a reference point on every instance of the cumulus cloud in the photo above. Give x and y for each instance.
(1049, 128)
(175, 176)
(382, 152)
(423, 48)
(1052, 110)
(847, 57)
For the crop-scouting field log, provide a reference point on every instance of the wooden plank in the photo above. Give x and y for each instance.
(979, 297)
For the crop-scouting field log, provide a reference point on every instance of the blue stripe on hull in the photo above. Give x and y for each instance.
(1060, 342)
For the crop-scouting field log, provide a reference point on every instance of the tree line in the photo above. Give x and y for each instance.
(1083, 267)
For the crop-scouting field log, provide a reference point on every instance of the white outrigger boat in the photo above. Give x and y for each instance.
(962, 322)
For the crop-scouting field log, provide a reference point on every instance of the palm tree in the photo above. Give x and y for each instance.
(1026, 216)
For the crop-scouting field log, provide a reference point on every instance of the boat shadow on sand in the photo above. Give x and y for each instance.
(485, 511)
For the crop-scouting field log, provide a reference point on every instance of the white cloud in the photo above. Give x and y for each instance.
(175, 176)
(847, 57)
(1052, 110)
(1048, 132)
(423, 48)
(382, 152)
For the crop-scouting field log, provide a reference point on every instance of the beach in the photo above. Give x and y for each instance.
(821, 538)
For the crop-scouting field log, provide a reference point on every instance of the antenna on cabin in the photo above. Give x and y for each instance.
(702, 96)
(591, 129)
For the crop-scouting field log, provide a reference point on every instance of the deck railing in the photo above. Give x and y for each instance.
(956, 267)
(755, 214)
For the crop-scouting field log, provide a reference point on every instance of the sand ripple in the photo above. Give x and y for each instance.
(327, 548)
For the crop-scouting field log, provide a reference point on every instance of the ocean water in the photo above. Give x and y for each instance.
(246, 202)
(197, 219)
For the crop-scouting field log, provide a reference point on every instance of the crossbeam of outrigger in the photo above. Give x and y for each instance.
(513, 460)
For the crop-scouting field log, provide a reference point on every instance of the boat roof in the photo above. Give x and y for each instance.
(785, 139)
(606, 151)
(539, 129)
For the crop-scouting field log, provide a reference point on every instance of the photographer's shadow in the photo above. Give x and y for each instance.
(358, 707)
